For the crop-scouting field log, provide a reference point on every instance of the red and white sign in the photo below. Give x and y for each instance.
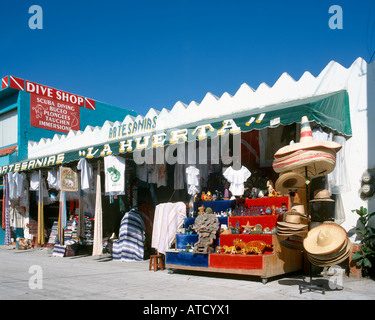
(48, 92)
(52, 114)
(16, 83)
(51, 93)
(4, 82)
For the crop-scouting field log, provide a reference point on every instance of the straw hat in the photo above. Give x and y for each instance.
(307, 142)
(319, 161)
(325, 239)
(293, 223)
(322, 195)
(334, 259)
(289, 181)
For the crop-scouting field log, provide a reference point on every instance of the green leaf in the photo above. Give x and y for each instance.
(367, 263)
(359, 262)
(357, 255)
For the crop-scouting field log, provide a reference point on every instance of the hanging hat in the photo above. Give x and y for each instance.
(322, 195)
(327, 238)
(289, 181)
(307, 142)
(316, 162)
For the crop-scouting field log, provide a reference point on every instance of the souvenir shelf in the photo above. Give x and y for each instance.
(274, 261)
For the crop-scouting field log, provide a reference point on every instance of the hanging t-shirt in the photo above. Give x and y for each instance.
(86, 174)
(114, 167)
(237, 178)
(192, 179)
(53, 179)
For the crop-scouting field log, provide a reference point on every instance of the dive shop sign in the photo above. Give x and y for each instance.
(48, 113)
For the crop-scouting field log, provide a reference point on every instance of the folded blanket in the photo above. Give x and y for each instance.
(129, 246)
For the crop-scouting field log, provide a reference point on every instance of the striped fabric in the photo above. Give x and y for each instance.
(40, 211)
(318, 162)
(62, 218)
(129, 246)
(7, 240)
(58, 250)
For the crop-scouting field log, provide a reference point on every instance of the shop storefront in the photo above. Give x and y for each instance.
(201, 183)
(31, 112)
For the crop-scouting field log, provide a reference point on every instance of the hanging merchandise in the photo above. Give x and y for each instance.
(86, 174)
(114, 168)
(40, 211)
(53, 179)
(68, 179)
(62, 218)
(162, 175)
(317, 157)
(168, 218)
(179, 177)
(129, 246)
(98, 227)
(237, 178)
(290, 181)
(192, 180)
(7, 240)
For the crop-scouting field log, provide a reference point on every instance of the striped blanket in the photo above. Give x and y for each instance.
(129, 246)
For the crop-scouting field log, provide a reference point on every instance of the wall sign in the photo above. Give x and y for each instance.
(48, 113)
(48, 92)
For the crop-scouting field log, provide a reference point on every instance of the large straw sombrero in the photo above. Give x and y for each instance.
(307, 142)
(316, 162)
(289, 181)
(333, 259)
(328, 238)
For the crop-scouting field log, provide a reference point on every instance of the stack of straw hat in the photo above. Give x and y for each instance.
(294, 227)
(317, 157)
(322, 207)
(327, 244)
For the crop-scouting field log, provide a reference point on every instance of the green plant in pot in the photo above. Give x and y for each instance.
(365, 257)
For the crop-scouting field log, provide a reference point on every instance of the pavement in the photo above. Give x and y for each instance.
(37, 275)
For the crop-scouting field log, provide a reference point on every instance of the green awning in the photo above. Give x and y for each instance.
(328, 110)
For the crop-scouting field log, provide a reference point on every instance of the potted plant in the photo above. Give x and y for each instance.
(365, 255)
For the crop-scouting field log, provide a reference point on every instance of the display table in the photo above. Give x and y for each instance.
(274, 261)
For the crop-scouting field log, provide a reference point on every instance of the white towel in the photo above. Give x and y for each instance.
(167, 219)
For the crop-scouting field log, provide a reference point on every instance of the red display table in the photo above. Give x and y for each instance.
(274, 261)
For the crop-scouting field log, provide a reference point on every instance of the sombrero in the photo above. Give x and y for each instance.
(316, 162)
(321, 195)
(289, 181)
(307, 142)
(325, 239)
(336, 259)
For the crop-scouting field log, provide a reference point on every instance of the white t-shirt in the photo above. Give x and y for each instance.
(192, 179)
(237, 178)
(114, 168)
(86, 173)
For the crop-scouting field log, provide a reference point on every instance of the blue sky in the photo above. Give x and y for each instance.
(140, 54)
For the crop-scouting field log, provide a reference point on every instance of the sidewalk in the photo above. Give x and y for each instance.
(93, 278)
